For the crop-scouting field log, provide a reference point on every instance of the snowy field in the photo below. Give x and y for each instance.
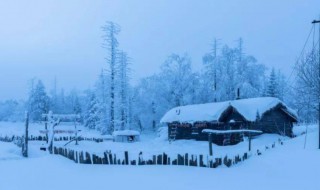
(287, 167)
(150, 144)
(18, 128)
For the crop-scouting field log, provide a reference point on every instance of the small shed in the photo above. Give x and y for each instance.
(126, 136)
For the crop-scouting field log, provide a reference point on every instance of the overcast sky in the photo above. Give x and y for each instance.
(59, 38)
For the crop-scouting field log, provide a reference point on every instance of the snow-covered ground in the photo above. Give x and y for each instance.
(18, 128)
(150, 144)
(287, 167)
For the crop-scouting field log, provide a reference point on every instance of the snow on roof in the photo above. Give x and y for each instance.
(248, 108)
(230, 131)
(126, 133)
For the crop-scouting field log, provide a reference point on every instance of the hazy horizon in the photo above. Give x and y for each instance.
(48, 39)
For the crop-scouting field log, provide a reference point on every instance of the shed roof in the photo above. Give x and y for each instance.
(248, 108)
(126, 133)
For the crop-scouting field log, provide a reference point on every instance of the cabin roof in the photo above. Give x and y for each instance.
(248, 108)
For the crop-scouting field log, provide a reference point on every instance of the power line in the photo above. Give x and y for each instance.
(301, 53)
(313, 48)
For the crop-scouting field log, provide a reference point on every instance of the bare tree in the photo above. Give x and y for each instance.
(111, 30)
(307, 84)
(124, 70)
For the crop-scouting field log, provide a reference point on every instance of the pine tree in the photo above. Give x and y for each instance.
(92, 117)
(77, 106)
(101, 91)
(38, 102)
(258, 117)
(54, 97)
(272, 84)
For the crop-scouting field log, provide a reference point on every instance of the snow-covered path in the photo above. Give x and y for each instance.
(286, 167)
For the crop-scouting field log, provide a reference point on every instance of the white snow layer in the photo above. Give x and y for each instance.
(126, 133)
(290, 166)
(230, 131)
(248, 108)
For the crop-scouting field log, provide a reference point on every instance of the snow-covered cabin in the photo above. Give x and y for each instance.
(267, 114)
(126, 136)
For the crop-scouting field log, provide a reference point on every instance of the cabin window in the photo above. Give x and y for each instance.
(201, 125)
(185, 125)
(130, 138)
(232, 121)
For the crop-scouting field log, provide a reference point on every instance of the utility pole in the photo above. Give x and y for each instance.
(25, 140)
(318, 22)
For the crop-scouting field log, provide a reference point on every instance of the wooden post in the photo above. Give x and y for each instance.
(154, 159)
(249, 136)
(180, 160)
(159, 159)
(165, 159)
(110, 158)
(25, 143)
(46, 127)
(210, 144)
(186, 159)
(75, 127)
(201, 161)
(106, 158)
(126, 156)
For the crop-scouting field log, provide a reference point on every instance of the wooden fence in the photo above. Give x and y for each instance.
(109, 158)
(44, 138)
(17, 140)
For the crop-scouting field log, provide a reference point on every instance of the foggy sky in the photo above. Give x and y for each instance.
(62, 39)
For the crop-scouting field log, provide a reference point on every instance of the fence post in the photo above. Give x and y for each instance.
(201, 161)
(154, 159)
(88, 158)
(159, 159)
(110, 158)
(165, 159)
(180, 160)
(186, 159)
(115, 159)
(106, 158)
(77, 158)
(126, 156)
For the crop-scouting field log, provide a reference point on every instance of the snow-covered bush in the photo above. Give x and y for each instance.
(162, 133)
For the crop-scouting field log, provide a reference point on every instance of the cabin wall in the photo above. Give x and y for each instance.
(183, 131)
(194, 131)
(276, 121)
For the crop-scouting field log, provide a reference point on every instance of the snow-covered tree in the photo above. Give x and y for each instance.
(272, 89)
(111, 30)
(177, 77)
(307, 89)
(12, 110)
(38, 102)
(123, 79)
(54, 105)
(92, 118)
(229, 70)
(211, 74)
